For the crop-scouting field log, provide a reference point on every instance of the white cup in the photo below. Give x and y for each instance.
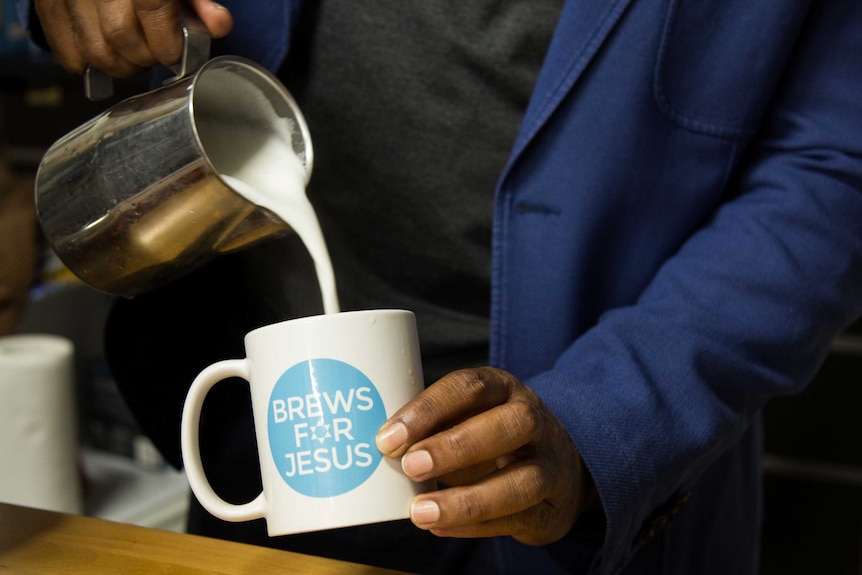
(321, 387)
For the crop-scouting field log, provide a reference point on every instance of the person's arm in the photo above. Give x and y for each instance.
(744, 311)
(119, 37)
(259, 31)
(748, 307)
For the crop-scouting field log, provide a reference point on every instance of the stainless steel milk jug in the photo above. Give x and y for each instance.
(132, 200)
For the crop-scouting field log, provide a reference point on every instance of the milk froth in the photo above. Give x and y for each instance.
(249, 145)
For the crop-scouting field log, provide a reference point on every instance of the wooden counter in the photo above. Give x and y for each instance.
(44, 542)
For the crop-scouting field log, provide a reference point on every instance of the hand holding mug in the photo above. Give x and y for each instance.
(510, 466)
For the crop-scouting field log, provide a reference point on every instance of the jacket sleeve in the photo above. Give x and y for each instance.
(30, 22)
(745, 310)
(24, 12)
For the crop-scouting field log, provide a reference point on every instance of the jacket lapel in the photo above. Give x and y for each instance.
(583, 27)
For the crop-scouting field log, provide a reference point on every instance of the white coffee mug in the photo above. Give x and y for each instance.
(321, 387)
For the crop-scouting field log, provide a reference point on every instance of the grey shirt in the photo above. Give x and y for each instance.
(413, 108)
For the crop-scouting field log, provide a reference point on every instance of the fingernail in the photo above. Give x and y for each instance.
(391, 438)
(424, 512)
(504, 461)
(417, 463)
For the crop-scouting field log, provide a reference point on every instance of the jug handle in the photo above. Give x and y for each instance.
(97, 85)
(196, 51)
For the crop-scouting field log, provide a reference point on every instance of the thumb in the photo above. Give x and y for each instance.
(217, 19)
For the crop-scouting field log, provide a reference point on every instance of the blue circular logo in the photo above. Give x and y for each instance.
(323, 416)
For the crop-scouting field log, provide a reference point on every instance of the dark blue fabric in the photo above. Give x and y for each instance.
(671, 251)
(261, 31)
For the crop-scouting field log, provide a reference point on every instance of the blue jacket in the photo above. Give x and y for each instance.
(677, 239)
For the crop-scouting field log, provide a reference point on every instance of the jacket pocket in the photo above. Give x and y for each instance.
(720, 61)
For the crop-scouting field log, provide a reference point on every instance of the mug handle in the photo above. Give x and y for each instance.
(190, 444)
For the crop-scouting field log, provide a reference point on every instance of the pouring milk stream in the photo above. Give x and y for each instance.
(266, 171)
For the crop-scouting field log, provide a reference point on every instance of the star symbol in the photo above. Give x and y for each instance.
(320, 432)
